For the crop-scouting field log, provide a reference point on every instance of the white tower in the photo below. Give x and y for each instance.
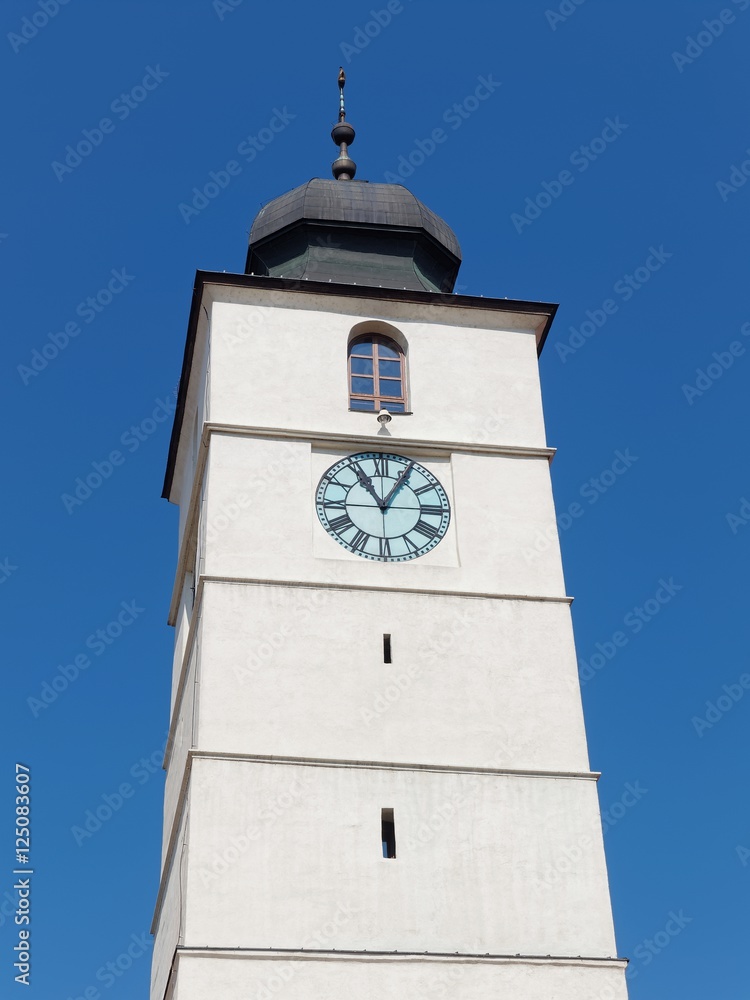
(378, 784)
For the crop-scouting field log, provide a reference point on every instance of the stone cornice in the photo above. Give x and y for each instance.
(350, 955)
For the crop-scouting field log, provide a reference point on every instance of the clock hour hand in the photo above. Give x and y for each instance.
(367, 483)
(399, 482)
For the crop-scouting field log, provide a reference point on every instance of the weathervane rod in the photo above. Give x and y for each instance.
(344, 168)
(342, 84)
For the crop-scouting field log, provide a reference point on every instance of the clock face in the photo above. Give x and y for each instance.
(383, 507)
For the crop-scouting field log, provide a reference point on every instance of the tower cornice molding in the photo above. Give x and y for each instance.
(378, 441)
(387, 765)
(349, 955)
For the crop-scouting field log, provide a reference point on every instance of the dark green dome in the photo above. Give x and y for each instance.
(356, 233)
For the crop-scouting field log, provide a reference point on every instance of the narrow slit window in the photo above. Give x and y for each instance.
(388, 833)
(387, 649)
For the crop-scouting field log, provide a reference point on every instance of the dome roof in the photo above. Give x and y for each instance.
(354, 231)
(353, 201)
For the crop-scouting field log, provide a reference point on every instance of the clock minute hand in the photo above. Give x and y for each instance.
(367, 483)
(399, 482)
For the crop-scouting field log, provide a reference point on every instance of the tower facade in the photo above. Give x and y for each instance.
(377, 780)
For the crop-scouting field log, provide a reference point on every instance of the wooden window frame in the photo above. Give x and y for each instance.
(379, 401)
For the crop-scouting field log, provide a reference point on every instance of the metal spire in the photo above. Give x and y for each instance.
(343, 134)
(342, 84)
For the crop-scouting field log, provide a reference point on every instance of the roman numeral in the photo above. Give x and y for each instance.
(425, 529)
(334, 505)
(409, 542)
(424, 489)
(339, 524)
(360, 540)
(381, 466)
(385, 547)
(433, 509)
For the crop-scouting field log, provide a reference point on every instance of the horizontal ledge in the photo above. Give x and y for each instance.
(314, 954)
(421, 591)
(357, 440)
(380, 765)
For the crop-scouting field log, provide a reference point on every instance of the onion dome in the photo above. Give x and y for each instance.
(354, 232)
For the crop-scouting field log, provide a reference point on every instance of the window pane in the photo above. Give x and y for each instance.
(363, 366)
(362, 385)
(385, 351)
(364, 348)
(361, 404)
(390, 387)
(394, 407)
(391, 369)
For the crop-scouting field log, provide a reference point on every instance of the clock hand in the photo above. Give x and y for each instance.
(399, 482)
(367, 483)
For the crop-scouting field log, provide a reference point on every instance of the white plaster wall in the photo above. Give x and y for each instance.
(279, 359)
(239, 978)
(297, 671)
(485, 863)
(183, 740)
(197, 411)
(182, 629)
(261, 521)
(167, 929)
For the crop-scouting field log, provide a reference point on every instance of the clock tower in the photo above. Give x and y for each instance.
(377, 778)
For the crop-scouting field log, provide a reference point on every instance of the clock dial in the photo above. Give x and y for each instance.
(383, 507)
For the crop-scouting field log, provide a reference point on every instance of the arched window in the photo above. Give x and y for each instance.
(377, 374)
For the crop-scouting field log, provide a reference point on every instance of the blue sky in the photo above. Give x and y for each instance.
(603, 169)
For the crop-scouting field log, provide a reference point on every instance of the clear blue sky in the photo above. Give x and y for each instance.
(641, 139)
